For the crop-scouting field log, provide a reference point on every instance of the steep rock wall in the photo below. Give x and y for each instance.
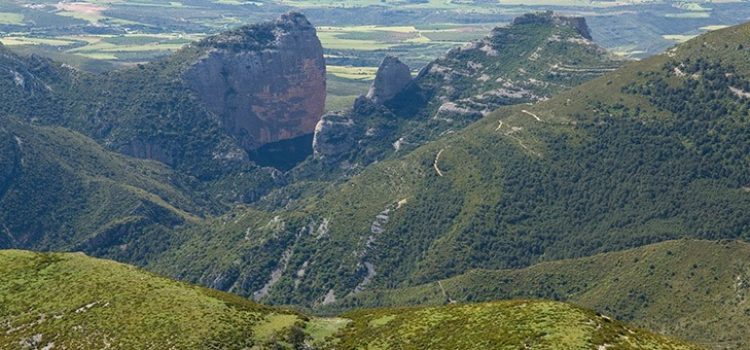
(265, 82)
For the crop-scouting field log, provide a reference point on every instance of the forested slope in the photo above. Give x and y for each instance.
(613, 164)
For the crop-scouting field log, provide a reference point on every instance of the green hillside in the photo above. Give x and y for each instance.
(691, 289)
(28, 82)
(497, 325)
(144, 105)
(60, 190)
(73, 301)
(615, 163)
(525, 166)
(76, 302)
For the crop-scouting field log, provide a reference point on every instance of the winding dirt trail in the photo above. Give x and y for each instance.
(531, 114)
(445, 294)
(435, 164)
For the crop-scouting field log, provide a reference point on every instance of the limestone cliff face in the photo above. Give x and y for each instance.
(548, 17)
(265, 82)
(338, 133)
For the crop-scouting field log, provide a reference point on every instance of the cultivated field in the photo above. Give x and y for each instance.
(100, 35)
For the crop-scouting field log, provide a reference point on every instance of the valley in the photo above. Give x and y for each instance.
(507, 198)
(374, 175)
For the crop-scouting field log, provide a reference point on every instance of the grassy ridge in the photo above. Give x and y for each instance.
(691, 289)
(73, 301)
(496, 325)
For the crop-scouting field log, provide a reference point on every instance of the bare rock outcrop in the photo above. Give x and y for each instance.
(265, 82)
(548, 17)
(147, 150)
(334, 136)
(337, 134)
(463, 86)
(392, 77)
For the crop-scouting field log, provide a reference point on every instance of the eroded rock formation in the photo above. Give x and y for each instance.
(548, 17)
(337, 133)
(333, 136)
(392, 77)
(265, 82)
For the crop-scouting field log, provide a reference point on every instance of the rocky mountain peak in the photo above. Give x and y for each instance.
(265, 82)
(391, 78)
(264, 35)
(464, 85)
(550, 18)
(294, 21)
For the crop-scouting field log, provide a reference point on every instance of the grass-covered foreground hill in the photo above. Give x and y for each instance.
(71, 301)
(692, 289)
(496, 325)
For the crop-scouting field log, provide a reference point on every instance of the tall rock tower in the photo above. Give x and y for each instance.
(265, 82)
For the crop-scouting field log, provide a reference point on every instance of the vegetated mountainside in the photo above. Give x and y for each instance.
(60, 190)
(174, 111)
(26, 81)
(535, 57)
(655, 151)
(58, 300)
(691, 289)
(199, 110)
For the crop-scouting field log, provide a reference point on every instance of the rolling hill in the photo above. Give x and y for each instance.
(58, 300)
(692, 289)
(495, 325)
(73, 301)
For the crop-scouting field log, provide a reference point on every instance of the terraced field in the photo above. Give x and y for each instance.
(101, 35)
